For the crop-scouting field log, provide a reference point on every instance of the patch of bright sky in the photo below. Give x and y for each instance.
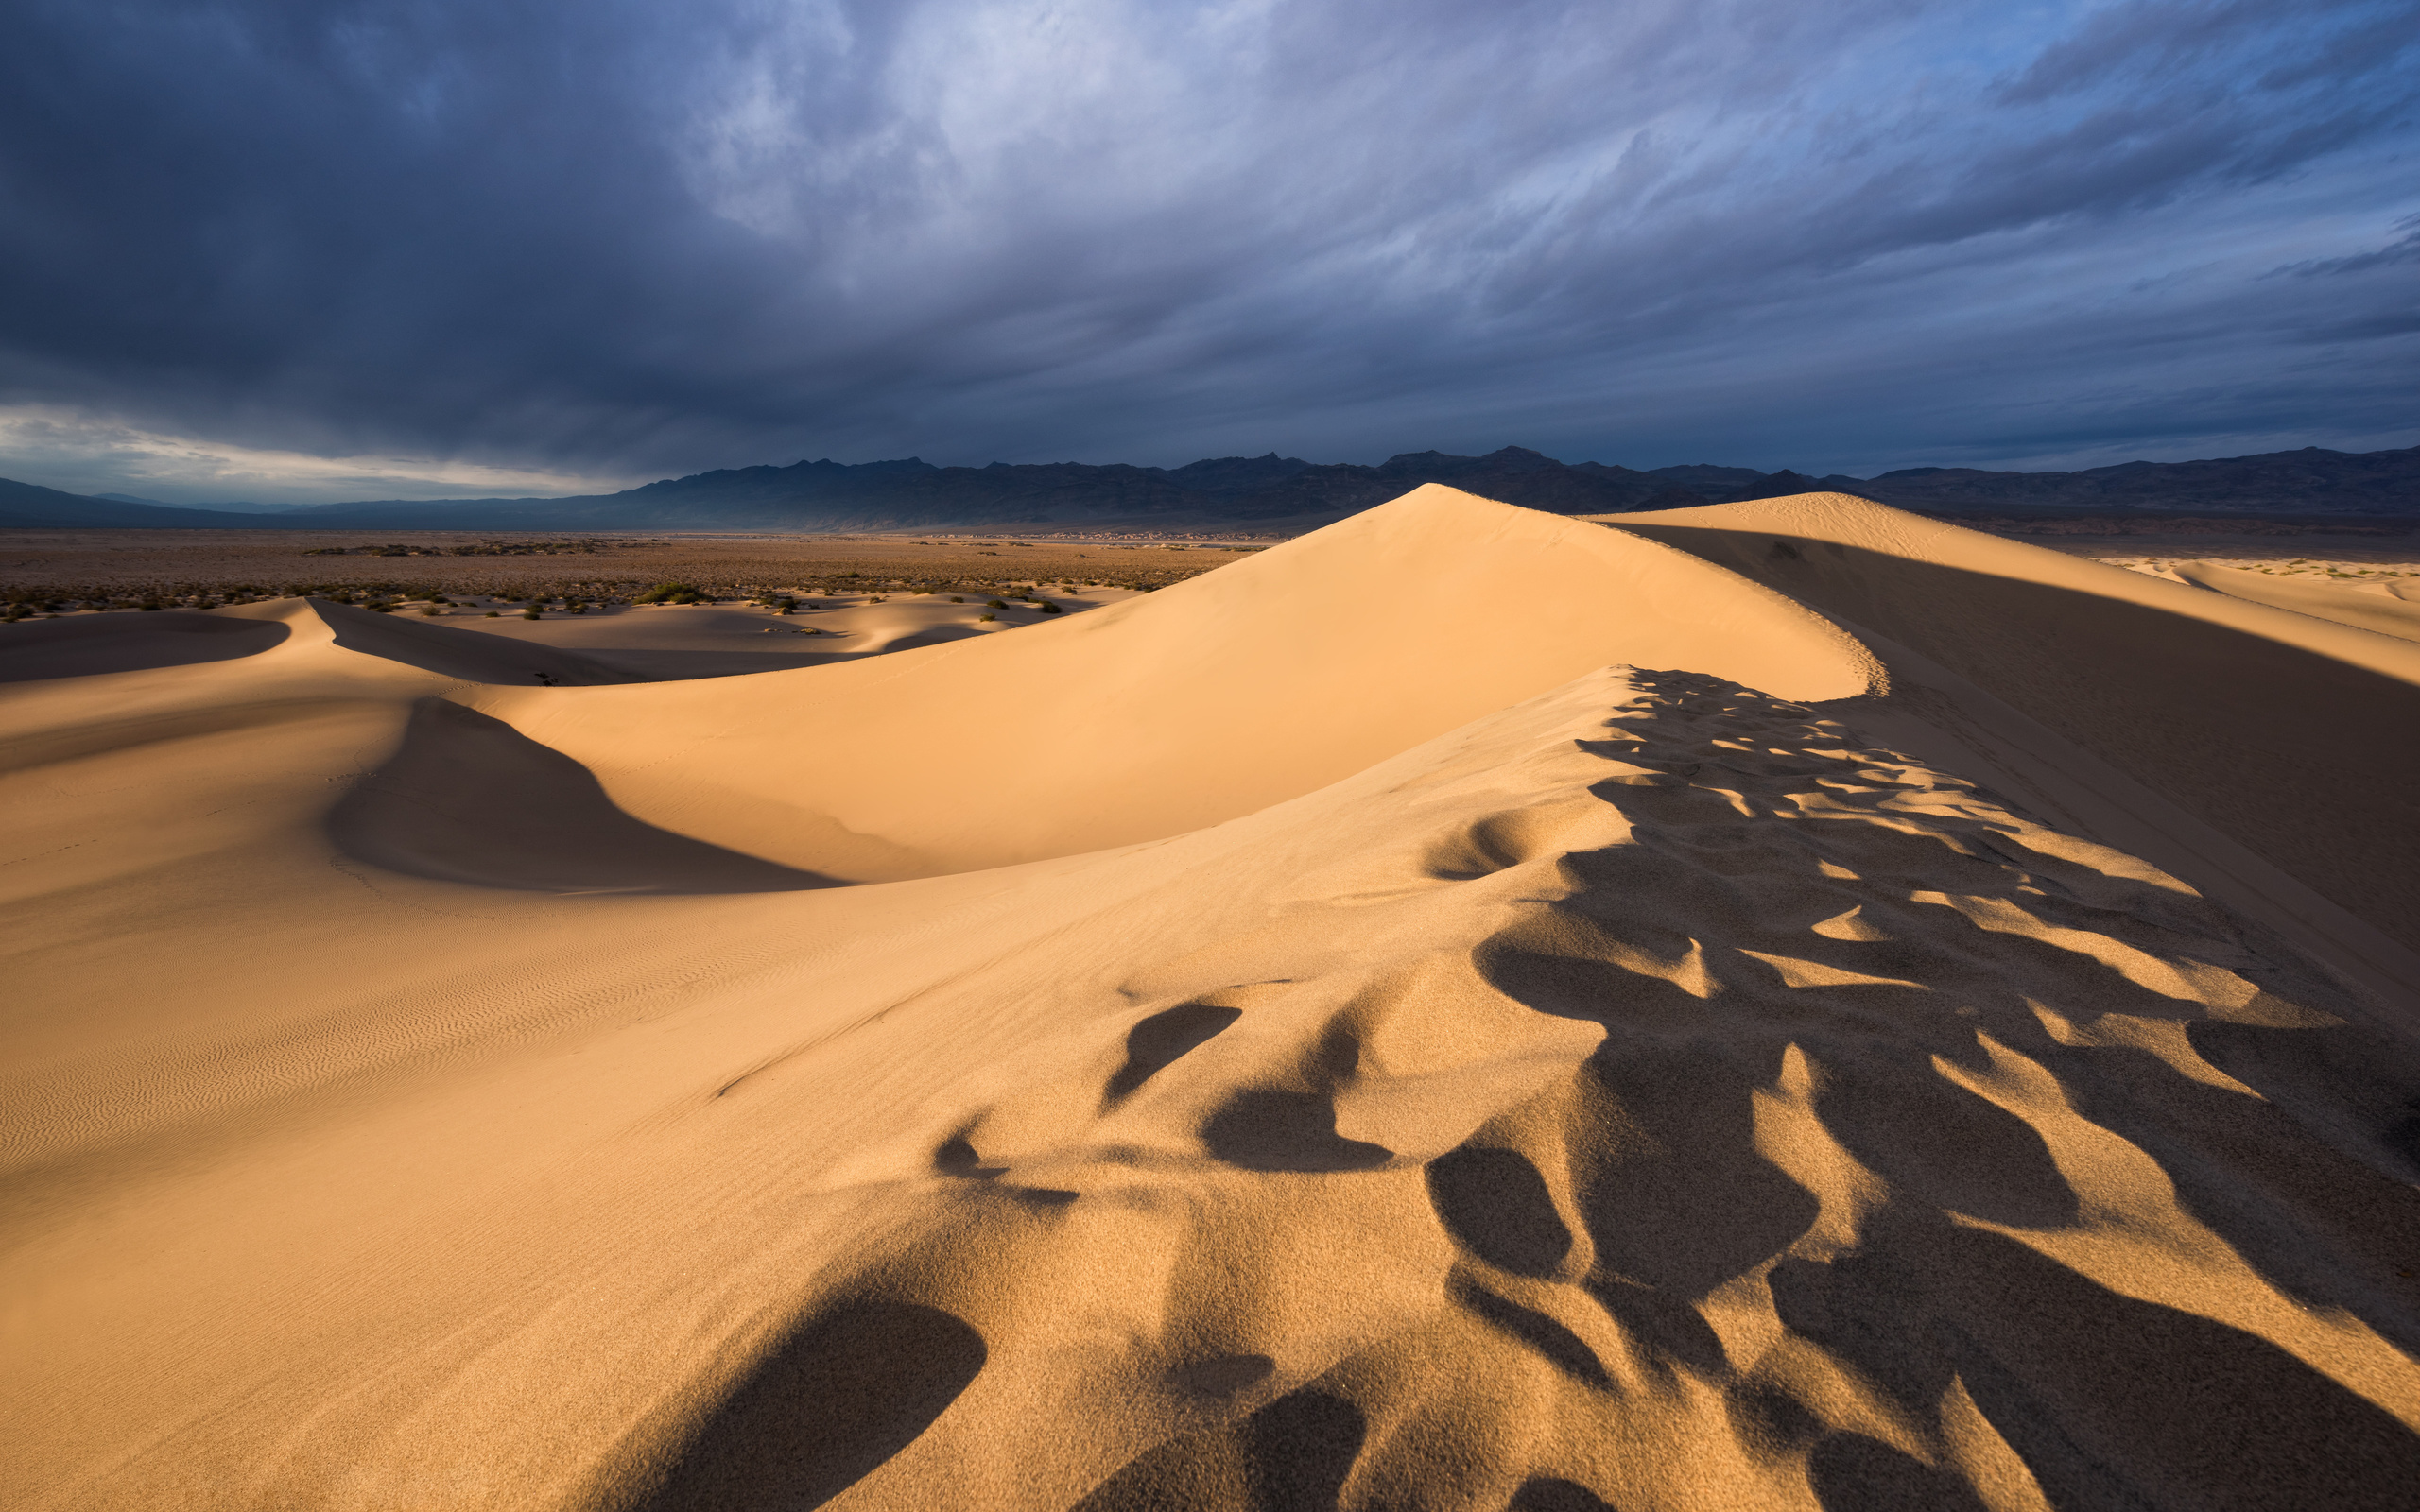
(86, 453)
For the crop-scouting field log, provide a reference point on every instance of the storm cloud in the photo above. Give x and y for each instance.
(608, 240)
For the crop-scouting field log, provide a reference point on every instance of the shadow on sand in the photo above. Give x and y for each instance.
(85, 645)
(828, 1405)
(470, 798)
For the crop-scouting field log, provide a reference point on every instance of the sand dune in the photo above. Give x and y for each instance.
(2366, 607)
(2238, 739)
(1468, 1010)
(1184, 708)
(125, 642)
(662, 643)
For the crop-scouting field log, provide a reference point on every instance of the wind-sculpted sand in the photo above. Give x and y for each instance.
(1464, 1010)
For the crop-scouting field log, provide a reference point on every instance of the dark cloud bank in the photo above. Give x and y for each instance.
(1844, 235)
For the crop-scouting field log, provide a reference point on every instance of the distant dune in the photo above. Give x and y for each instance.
(1783, 1003)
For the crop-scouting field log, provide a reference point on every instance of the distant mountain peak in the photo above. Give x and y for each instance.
(1223, 492)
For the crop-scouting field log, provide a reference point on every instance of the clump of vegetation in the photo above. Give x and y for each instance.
(532, 613)
(671, 594)
(1049, 608)
(998, 603)
(430, 612)
(981, 619)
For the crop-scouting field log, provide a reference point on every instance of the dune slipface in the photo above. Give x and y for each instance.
(1468, 1010)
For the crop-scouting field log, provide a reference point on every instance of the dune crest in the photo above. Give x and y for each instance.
(2261, 752)
(1194, 705)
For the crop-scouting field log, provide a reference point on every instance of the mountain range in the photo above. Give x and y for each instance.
(1283, 492)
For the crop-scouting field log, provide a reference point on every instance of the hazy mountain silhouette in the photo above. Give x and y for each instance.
(1264, 491)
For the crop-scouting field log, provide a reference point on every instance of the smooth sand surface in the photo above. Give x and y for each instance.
(2379, 606)
(1466, 1009)
(669, 642)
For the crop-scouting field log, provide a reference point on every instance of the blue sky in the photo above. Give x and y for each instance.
(296, 251)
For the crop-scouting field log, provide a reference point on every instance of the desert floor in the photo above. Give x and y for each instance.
(1782, 1004)
(81, 569)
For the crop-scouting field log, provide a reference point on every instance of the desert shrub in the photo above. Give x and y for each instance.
(671, 594)
(1049, 608)
(430, 612)
(531, 613)
(980, 619)
(493, 614)
(996, 604)
(955, 599)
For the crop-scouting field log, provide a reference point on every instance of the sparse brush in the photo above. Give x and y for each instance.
(670, 593)
(981, 619)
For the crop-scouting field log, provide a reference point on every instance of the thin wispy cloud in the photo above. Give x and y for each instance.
(607, 239)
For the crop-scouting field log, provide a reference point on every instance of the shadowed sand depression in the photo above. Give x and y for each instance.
(1602, 1086)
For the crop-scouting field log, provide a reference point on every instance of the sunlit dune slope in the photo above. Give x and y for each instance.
(2376, 609)
(1197, 704)
(2290, 735)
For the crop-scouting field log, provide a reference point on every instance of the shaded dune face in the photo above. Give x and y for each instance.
(468, 799)
(2290, 735)
(1771, 1121)
(128, 642)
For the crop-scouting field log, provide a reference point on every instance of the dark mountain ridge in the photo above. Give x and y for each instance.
(31, 505)
(1281, 492)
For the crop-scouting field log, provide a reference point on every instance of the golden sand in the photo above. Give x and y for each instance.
(1786, 1005)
